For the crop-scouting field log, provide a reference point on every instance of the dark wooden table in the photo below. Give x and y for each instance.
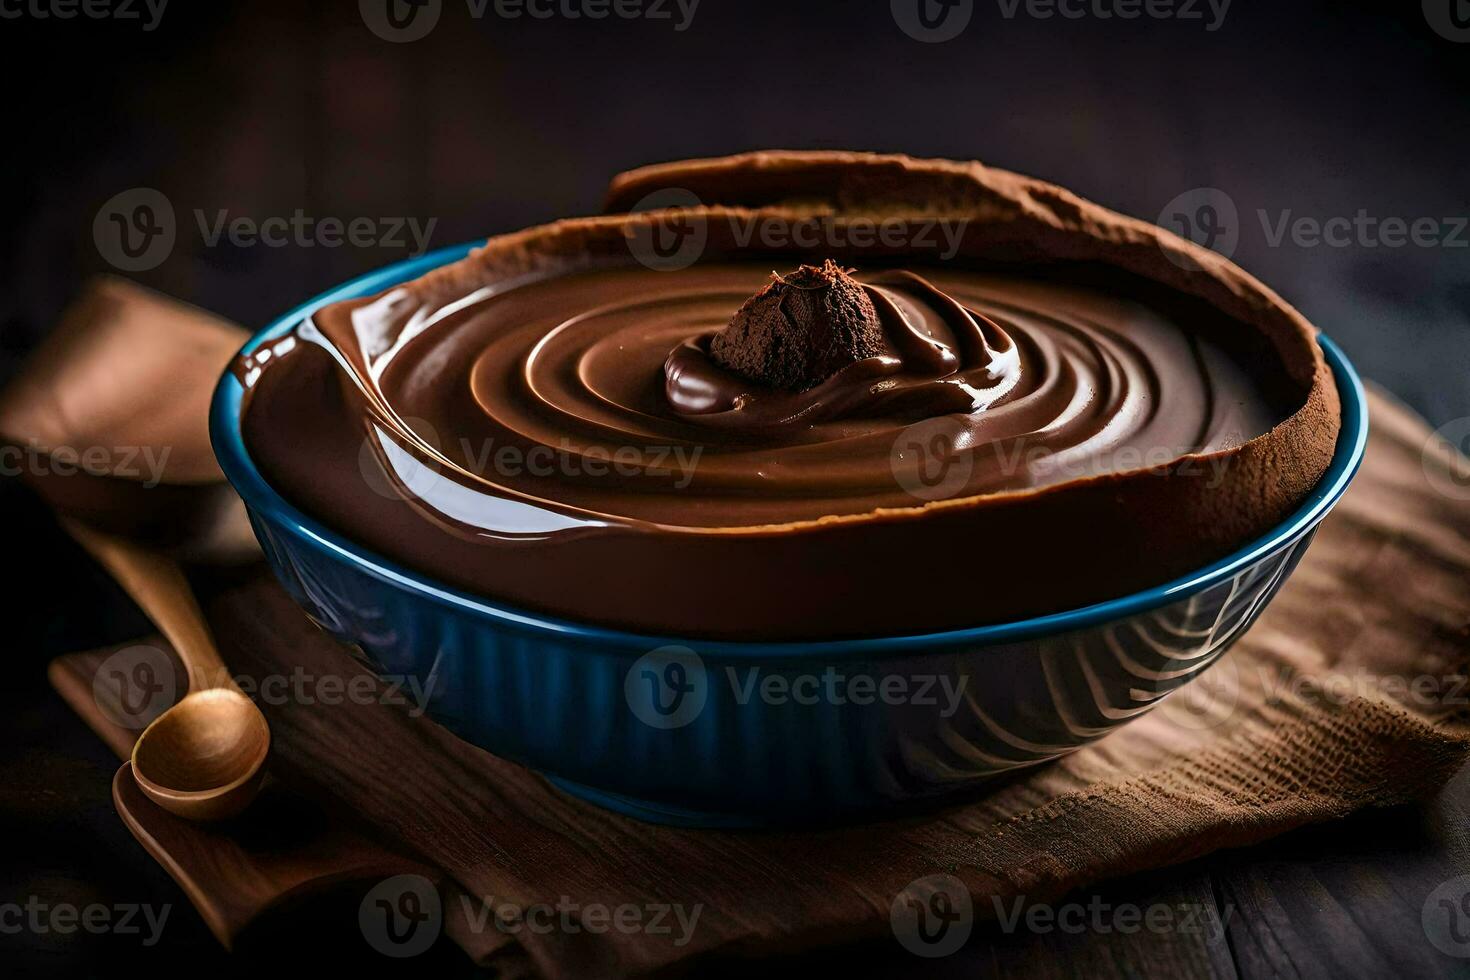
(1322, 110)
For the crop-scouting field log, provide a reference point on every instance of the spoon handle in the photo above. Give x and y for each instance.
(157, 584)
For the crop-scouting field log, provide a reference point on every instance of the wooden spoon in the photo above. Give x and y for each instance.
(203, 758)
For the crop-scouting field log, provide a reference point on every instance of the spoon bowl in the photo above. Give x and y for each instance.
(203, 759)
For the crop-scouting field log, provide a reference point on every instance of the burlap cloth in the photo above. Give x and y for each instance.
(1350, 692)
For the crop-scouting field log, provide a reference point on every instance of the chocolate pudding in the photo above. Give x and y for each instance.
(768, 446)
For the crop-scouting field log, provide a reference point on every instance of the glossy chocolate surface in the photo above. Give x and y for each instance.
(569, 444)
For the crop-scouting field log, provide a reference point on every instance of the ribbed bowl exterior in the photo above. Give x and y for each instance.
(752, 738)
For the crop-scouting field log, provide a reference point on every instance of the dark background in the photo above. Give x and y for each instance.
(1323, 109)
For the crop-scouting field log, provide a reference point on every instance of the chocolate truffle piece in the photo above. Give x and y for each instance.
(801, 329)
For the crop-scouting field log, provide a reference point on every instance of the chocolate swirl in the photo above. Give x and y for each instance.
(605, 378)
(941, 358)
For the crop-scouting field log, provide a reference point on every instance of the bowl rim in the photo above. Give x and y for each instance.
(260, 497)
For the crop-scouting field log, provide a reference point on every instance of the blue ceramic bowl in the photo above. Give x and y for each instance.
(751, 734)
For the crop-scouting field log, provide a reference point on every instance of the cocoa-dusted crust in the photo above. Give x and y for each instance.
(942, 565)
